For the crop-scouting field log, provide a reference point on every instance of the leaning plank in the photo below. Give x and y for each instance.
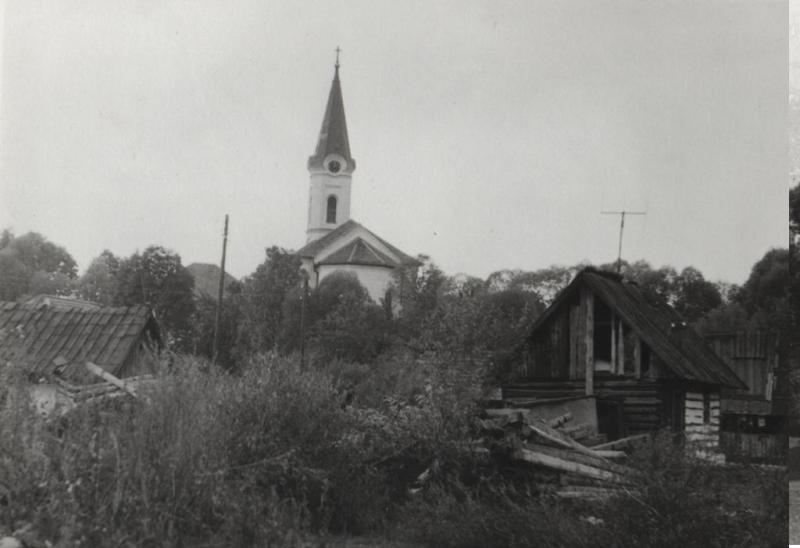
(556, 463)
(622, 442)
(102, 373)
(560, 439)
(588, 493)
(589, 460)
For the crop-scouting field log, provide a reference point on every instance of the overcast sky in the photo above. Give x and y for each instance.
(488, 135)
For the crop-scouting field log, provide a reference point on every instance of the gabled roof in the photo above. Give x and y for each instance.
(333, 133)
(681, 349)
(359, 252)
(35, 336)
(313, 249)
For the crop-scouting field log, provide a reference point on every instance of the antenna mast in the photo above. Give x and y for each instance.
(621, 229)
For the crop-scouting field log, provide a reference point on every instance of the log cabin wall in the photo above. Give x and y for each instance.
(702, 418)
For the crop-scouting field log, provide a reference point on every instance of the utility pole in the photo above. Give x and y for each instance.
(220, 294)
(303, 300)
(621, 228)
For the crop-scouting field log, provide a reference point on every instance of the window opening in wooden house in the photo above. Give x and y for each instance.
(602, 336)
(331, 214)
(706, 408)
(645, 365)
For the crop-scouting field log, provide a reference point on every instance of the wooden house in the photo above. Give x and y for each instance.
(51, 344)
(753, 425)
(604, 336)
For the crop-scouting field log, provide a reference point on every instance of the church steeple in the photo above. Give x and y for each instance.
(330, 167)
(333, 133)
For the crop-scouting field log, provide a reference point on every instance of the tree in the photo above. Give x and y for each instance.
(156, 277)
(30, 264)
(765, 294)
(344, 323)
(262, 300)
(696, 297)
(204, 322)
(99, 283)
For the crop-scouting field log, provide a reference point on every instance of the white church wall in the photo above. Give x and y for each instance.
(376, 280)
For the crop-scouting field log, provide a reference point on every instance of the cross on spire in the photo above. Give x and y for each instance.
(337, 50)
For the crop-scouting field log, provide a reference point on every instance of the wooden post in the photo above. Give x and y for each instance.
(621, 349)
(588, 302)
(220, 295)
(613, 343)
(303, 305)
(637, 356)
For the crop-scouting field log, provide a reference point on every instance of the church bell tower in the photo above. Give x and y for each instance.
(330, 168)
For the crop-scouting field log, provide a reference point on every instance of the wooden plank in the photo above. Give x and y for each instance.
(100, 372)
(622, 442)
(573, 341)
(588, 300)
(557, 463)
(613, 343)
(540, 428)
(621, 354)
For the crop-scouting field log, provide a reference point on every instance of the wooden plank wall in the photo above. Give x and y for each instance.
(754, 447)
(698, 431)
(641, 399)
(750, 354)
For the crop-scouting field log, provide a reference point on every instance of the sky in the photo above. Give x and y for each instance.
(487, 135)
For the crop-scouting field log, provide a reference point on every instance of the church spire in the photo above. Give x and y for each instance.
(333, 134)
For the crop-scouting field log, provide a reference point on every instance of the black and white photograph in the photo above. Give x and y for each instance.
(445, 273)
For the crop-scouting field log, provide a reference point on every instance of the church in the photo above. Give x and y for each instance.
(335, 242)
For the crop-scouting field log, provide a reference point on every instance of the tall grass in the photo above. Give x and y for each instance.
(274, 454)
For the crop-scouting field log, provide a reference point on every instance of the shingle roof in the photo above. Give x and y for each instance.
(37, 335)
(312, 249)
(333, 133)
(359, 252)
(679, 346)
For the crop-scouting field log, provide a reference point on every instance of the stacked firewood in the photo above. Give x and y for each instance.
(551, 450)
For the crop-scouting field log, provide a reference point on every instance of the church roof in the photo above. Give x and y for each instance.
(333, 134)
(359, 252)
(313, 249)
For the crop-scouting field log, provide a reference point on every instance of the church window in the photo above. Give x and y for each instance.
(331, 214)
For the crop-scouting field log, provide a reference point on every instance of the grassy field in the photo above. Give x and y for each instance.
(794, 512)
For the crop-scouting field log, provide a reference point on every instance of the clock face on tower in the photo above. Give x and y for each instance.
(334, 166)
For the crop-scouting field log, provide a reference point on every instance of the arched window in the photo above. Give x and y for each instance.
(331, 216)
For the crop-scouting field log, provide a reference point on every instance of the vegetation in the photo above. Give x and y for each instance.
(266, 448)
(276, 456)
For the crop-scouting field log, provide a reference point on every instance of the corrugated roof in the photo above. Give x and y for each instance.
(312, 249)
(679, 346)
(37, 335)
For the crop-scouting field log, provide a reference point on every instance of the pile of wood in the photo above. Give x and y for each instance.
(551, 448)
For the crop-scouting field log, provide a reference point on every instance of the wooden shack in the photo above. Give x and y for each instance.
(753, 427)
(646, 367)
(50, 344)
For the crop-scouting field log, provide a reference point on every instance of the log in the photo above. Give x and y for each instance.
(102, 373)
(556, 463)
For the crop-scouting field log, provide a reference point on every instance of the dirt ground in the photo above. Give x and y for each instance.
(794, 512)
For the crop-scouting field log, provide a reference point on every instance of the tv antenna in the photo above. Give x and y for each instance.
(621, 229)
